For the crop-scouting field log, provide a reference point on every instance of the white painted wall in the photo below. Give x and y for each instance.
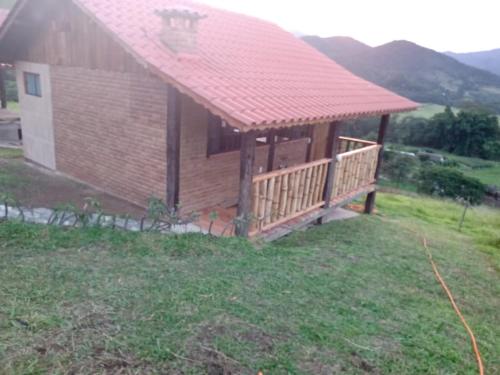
(36, 116)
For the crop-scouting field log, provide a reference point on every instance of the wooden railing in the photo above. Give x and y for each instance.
(285, 194)
(347, 144)
(355, 169)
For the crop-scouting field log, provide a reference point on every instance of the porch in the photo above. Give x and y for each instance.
(273, 192)
(288, 199)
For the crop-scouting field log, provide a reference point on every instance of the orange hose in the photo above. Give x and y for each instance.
(455, 307)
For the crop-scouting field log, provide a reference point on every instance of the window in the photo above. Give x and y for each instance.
(221, 137)
(296, 132)
(32, 84)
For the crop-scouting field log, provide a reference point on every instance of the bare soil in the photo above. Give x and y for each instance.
(34, 186)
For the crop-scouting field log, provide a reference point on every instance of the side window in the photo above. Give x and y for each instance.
(32, 84)
(297, 132)
(221, 137)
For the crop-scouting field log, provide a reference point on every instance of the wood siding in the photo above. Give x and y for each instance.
(71, 38)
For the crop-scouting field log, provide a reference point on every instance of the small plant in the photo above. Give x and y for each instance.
(7, 200)
(91, 207)
(466, 204)
(213, 216)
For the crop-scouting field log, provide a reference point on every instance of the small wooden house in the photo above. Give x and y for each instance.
(204, 108)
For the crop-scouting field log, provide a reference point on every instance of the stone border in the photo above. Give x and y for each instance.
(46, 216)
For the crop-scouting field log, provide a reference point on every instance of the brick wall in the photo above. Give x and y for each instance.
(110, 133)
(109, 130)
(207, 182)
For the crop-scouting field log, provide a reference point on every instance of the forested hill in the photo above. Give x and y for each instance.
(486, 60)
(413, 71)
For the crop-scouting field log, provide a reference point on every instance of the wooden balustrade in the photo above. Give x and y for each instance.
(355, 169)
(347, 144)
(285, 194)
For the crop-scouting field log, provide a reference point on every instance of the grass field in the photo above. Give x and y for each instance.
(353, 297)
(487, 171)
(426, 110)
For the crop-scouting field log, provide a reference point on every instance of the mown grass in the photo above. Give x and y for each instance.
(10, 153)
(354, 297)
(13, 106)
(482, 223)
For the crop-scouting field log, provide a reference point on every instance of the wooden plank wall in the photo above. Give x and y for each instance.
(71, 38)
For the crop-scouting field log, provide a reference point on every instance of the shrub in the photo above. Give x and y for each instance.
(491, 150)
(399, 167)
(451, 163)
(449, 182)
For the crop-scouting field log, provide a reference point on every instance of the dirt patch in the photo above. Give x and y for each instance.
(204, 352)
(318, 362)
(83, 345)
(35, 187)
(362, 364)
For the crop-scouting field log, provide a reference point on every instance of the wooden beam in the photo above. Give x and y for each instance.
(370, 198)
(247, 158)
(173, 147)
(3, 90)
(271, 140)
(310, 133)
(331, 153)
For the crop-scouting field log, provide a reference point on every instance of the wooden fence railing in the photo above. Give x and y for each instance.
(285, 194)
(347, 144)
(355, 169)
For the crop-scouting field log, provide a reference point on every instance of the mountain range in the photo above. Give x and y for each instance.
(486, 60)
(416, 72)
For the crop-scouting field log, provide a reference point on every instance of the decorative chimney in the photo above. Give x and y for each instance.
(180, 29)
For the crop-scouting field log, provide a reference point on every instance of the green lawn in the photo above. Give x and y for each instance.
(10, 153)
(13, 106)
(353, 297)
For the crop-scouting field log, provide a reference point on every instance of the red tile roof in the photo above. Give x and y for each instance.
(250, 72)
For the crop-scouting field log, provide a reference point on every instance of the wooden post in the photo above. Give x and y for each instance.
(214, 134)
(370, 199)
(310, 133)
(3, 90)
(247, 158)
(272, 149)
(331, 152)
(173, 147)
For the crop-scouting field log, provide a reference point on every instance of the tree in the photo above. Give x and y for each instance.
(440, 126)
(470, 133)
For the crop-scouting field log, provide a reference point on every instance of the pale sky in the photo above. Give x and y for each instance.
(455, 25)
